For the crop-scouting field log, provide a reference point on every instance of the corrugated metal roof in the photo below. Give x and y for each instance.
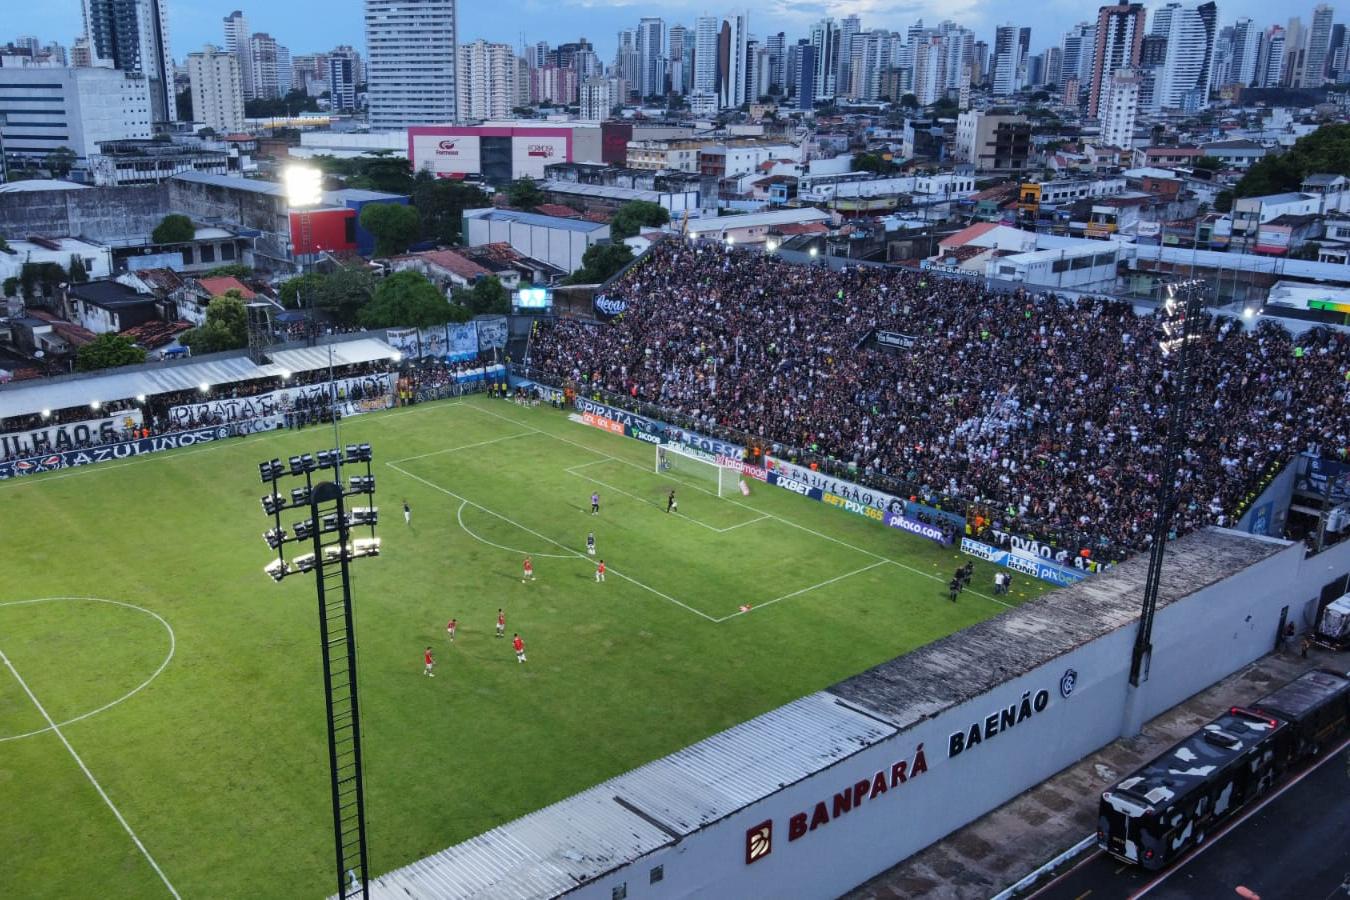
(585, 836)
(525, 218)
(307, 359)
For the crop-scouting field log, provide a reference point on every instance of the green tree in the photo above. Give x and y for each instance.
(488, 296)
(174, 228)
(394, 225)
(1325, 150)
(870, 162)
(406, 299)
(226, 326)
(106, 352)
(1223, 202)
(909, 101)
(185, 111)
(341, 293)
(634, 215)
(11, 287)
(78, 273)
(60, 161)
(1209, 163)
(525, 194)
(599, 262)
(440, 202)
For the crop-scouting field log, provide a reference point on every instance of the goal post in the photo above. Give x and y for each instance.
(672, 458)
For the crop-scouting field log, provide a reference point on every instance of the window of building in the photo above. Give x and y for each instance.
(227, 252)
(619, 892)
(658, 873)
(208, 253)
(187, 256)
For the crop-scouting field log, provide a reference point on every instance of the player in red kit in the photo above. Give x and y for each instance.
(501, 623)
(600, 571)
(528, 571)
(519, 646)
(426, 658)
(450, 629)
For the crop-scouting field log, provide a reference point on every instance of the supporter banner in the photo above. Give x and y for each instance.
(121, 450)
(433, 341)
(1035, 566)
(879, 500)
(463, 341)
(922, 529)
(259, 425)
(362, 387)
(404, 340)
(894, 340)
(54, 438)
(607, 308)
(491, 332)
(745, 468)
(547, 391)
(481, 373)
(1314, 474)
(711, 446)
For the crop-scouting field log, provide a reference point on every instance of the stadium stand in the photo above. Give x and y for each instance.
(1034, 413)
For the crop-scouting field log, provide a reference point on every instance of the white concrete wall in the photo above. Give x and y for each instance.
(1197, 640)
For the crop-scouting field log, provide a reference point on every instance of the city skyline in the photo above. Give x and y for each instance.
(309, 25)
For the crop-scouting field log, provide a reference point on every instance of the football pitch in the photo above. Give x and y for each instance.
(161, 706)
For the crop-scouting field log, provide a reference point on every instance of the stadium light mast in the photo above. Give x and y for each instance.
(1181, 311)
(327, 524)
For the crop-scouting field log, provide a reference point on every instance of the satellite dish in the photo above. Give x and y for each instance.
(39, 353)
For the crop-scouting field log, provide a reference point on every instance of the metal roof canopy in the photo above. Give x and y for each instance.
(30, 397)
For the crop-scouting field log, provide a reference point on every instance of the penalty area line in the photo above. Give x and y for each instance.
(87, 774)
(807, 590)
(574, 553)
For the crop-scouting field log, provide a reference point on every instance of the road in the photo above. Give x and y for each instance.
(1294, 847)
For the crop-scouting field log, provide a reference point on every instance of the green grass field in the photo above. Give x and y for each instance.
(194, 700)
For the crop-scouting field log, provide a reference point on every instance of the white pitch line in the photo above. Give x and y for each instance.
(466, 446)
(90, 775)
(777, 518)
(743, 524)
(806, 590)
(459, 516)
(575, 553)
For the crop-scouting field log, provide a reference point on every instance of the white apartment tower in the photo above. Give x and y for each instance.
(217, 90)
(488, 82)
(133, 36)
(651, 40)
(1183, 84)
(1119, 109)
(410, 68)
(237, 42)
(1319, 39)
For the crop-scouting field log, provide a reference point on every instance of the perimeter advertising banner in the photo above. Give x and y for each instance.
(235, 409)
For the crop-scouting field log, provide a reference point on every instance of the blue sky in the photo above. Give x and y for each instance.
(309, 25)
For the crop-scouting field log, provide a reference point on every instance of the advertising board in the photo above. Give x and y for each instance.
(445, 154)
(529, 155)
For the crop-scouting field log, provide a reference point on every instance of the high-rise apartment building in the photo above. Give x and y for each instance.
(1119, 34)
(341, 82)
(731, 61)
(1242, 56)
(1319, 39)
(706, 30)
(1080, 43)
(598, 97)
(265, 63)
(1009, 59)
(91, 104)
(650, 45)
(237, 36)
(1119, 109)
(825, 38)
(133, 36)
(411, 67)
(776, 44)
(217, 90)
(849, 28)
(1183, 84)
(487, 79)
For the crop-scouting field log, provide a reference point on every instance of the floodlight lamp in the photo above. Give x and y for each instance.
(333, 551)
(397, 357)
(693, 235)
(303, 529)
(812, 251)
(304, 562)
(275, 537)
(46, 414)
(140, 398)
(330, 522)
(307, 462)
(273, 503)
(94, 404)
(731, 239)
(366, 547)
(770, 246)
(327, 459)
(270, 470)
(358, 453)
(204, 388)
(361, 484)
(285, 374)
(278, 569)
(299, 496)
(1248, 313)
(297, 465)
(304, 186)
(365, 515)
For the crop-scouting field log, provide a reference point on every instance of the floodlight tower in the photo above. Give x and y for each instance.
(1181, 312)
(327, 524)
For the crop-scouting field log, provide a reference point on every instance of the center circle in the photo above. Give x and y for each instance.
(129, 694)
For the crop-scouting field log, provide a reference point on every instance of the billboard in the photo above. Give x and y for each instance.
(529, 155)
(445, 154)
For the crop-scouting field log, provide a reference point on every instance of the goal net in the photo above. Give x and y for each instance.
(676, 460)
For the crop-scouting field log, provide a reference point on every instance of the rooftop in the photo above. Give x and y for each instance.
(526, 218)
(109, 294)
(220, 285)
(40, 184)
(759, 220)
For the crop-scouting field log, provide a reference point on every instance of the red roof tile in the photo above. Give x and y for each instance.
(966, 235)
(221, 285)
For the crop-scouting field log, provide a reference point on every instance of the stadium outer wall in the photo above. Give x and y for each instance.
(809, 800)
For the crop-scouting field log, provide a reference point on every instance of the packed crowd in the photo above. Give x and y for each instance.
(1049, 413)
